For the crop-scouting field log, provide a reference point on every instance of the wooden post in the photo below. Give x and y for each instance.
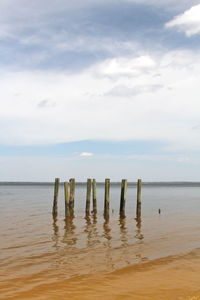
(55, 200)
(67, 209)
(107, 197)
(139, 191)
(72, 195)
(94, 196)
(123, 197)
(88, 196)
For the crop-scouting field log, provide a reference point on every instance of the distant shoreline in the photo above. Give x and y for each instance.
(147, 183)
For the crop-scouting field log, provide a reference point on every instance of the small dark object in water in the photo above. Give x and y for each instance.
(159, 211)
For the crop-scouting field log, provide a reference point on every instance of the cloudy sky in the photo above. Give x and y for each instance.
(100, 88)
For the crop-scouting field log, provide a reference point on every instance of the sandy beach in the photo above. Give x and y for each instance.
(170, 278)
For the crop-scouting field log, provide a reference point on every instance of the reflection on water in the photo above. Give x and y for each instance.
(139, 235)
(69, 236)
(92, 231)
(123, 232)
(55, 235)
(89, 229)
(107, 229)
(36, 250)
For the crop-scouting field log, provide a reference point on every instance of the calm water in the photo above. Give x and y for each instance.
(45, 259)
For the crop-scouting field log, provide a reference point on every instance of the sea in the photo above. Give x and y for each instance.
(92, 257)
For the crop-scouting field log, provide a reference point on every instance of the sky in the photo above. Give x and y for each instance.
(100, 88)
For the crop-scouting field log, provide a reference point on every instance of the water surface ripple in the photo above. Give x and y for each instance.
(46, 258)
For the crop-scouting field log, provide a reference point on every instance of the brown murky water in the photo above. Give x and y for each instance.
(90, 258)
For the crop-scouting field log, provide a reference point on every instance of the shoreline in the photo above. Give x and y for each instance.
(167, 278)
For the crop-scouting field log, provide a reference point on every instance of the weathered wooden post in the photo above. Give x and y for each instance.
(55, 200)
(139, 192)
(88, 196)
(94, 196)
(107, 198)
(67, 209)
(72, 195)
(123, 198)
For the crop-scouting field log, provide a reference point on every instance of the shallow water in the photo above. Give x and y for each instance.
(88, 258)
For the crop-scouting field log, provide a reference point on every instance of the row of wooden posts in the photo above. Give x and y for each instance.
(69, 191)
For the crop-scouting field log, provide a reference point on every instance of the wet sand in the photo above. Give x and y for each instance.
(175, 277)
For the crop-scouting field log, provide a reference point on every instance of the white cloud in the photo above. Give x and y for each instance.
(86, 154)
(78, 108)
(125, 91)
(125, 66)
(188, 22)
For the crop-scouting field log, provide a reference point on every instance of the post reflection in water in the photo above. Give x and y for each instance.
(139, 235)
(93, 237)
(123, 231)
(88, 230)
(107, 244)
(107, 229)
(139, 250)
(69, 232)
(55, 235)
(91, 230)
